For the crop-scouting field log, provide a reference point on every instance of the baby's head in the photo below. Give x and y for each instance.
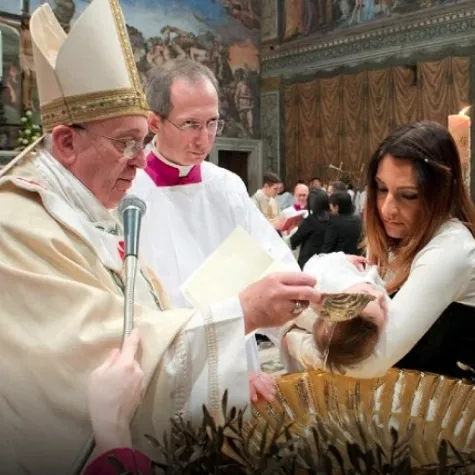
(345, 344)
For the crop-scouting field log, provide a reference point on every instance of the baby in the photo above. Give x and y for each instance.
(344, 328)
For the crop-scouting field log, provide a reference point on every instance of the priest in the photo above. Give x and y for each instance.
(61, 267)
(193, 205)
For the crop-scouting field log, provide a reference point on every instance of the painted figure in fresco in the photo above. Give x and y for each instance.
(244, 100)
(139, 49)
(137, 42)
(158, 52)
(200, 55)
(245, 11)
(237, 91)
(179, 44)
(220, 62)
(12, 86)
(293, 13)
(27, 66)
(313, 13)
(357, 10)
(344, 9)
(307, 16)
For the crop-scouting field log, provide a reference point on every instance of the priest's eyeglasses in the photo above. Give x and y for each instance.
(213, 126)
(130, 148)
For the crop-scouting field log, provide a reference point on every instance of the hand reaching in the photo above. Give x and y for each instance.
(262, 385)
(271, 301)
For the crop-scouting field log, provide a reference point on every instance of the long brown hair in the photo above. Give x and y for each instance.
(433, 153)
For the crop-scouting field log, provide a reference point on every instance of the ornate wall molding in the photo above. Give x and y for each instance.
(270, 130)
(269, 20)
(432, 32)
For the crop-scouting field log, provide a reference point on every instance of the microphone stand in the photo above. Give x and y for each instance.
(130, 265)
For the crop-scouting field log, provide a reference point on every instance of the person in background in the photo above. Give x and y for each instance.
(301, 192)
(311, 232)
(351, 192)
(345, 229)
(360, 202)
(315, 183)
(265, 200)
(335, 186)
(284, 198)
(298, 210)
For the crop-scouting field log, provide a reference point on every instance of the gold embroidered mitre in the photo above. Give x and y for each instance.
(89, 74)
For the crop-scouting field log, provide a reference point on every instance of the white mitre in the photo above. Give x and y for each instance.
(89, 74)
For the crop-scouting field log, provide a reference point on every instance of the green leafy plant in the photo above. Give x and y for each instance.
(29, 131)
(233, 448)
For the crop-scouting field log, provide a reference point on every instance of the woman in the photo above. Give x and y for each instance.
(344, 230)
(310, 234)
(420, 225)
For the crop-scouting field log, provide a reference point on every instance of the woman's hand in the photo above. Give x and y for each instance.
(114, 392)
(359, 262)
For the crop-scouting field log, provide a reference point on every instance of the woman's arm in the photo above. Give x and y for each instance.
(114, 392)
(440, 275)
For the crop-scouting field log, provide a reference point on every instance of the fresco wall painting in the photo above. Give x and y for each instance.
(222, 34)
(305, 17)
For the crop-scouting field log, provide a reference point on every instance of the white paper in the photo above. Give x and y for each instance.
(290, 212)
(233, 266)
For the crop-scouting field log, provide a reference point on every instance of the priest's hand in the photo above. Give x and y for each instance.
(114, 392)
(276, 299)
(262, 385)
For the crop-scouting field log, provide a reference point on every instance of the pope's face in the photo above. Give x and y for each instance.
(187, 135)
(106, 155)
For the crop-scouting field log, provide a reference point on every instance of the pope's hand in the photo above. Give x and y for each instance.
(271, 301)
(114, 392)
(262, 385)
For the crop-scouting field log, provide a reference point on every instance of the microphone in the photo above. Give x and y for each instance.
(131, 208)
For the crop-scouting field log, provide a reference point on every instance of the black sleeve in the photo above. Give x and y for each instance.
(331, 238)
(302, 233)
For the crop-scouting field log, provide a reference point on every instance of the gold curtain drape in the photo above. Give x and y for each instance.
(341, 120)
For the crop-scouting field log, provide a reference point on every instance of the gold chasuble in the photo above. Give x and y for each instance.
(61, 274)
